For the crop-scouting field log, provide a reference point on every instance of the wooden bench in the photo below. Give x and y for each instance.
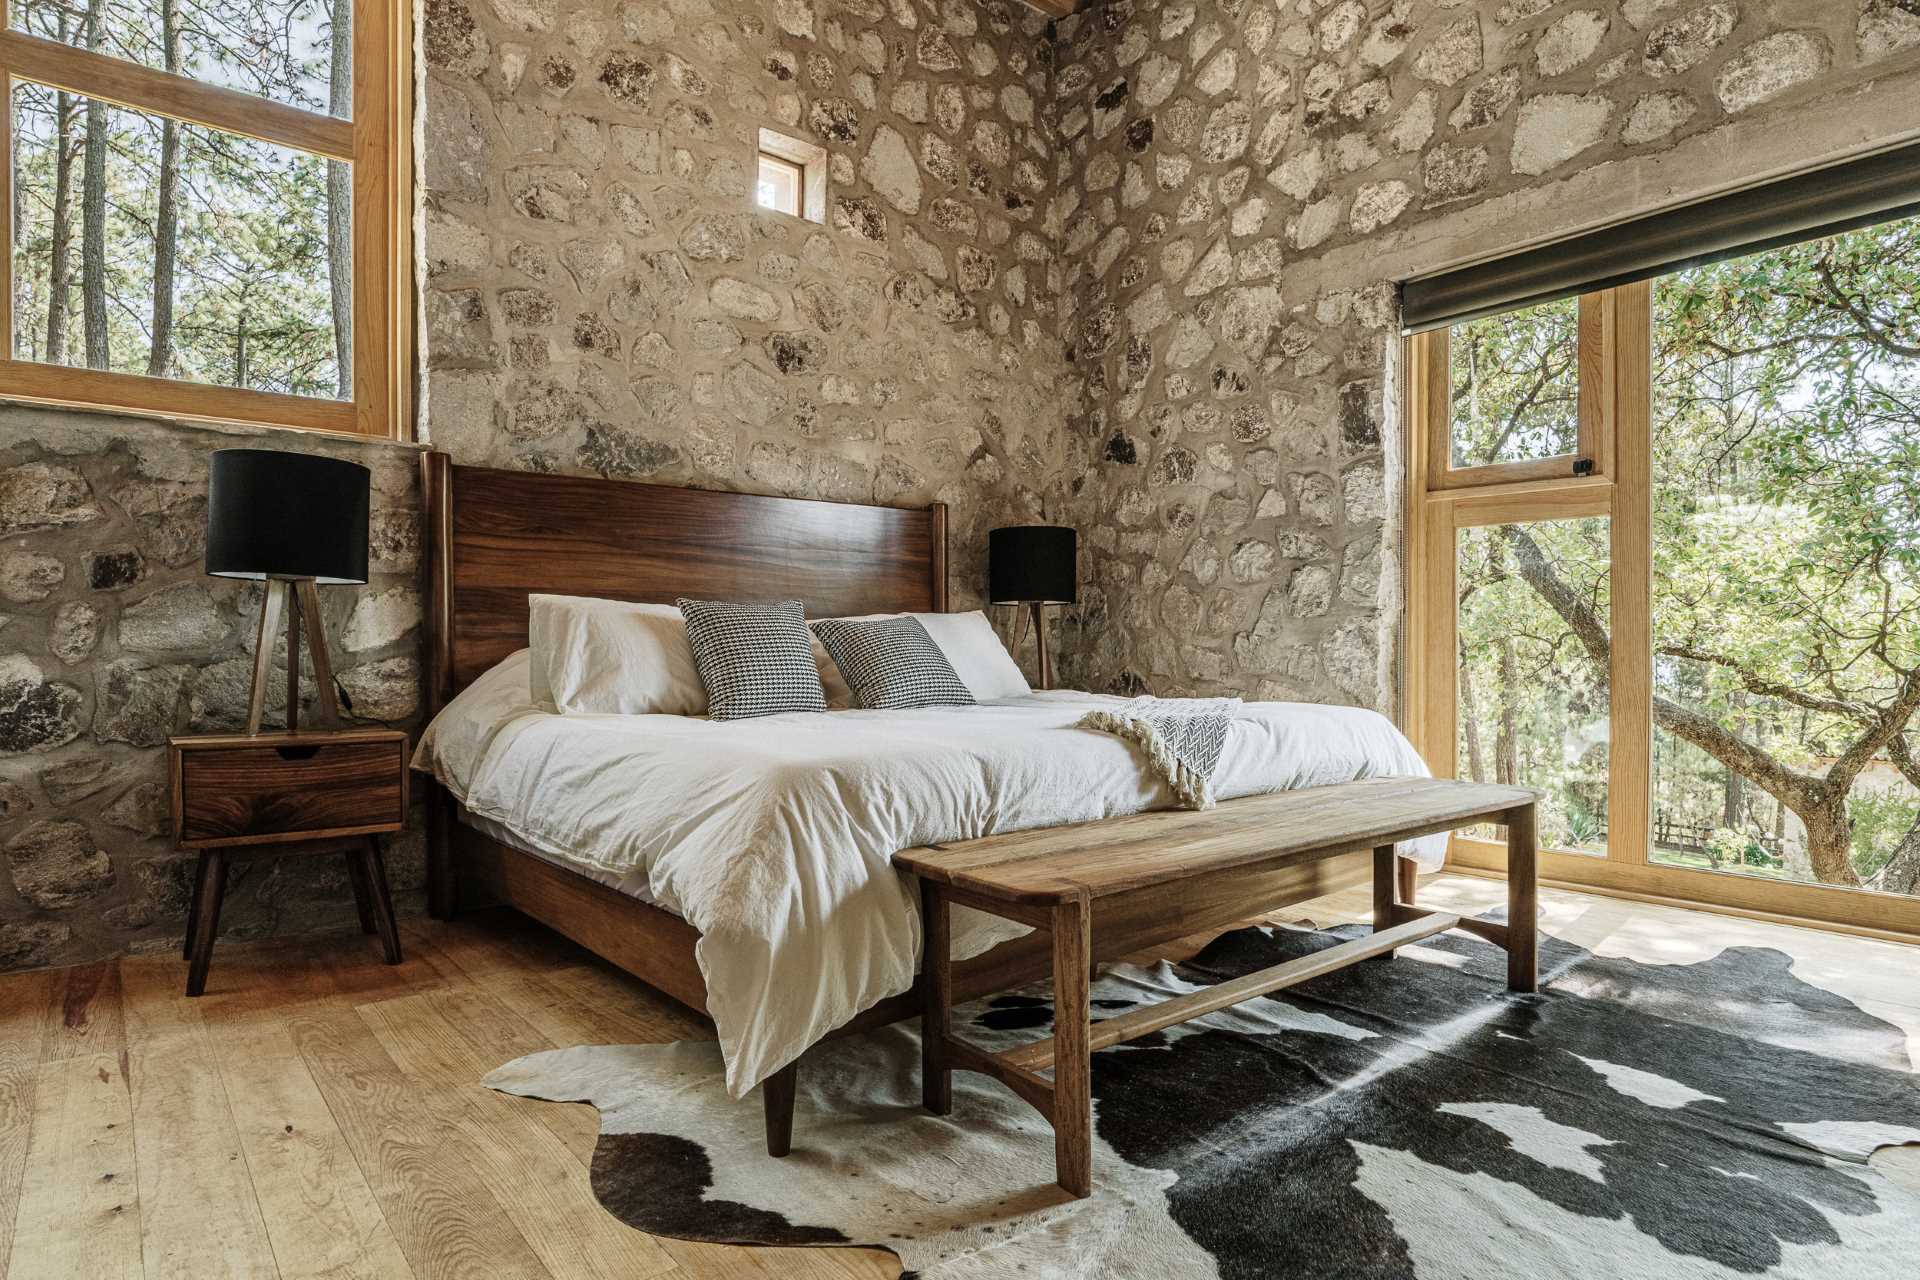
(1066, 879)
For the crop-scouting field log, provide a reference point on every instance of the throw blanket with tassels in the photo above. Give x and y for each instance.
(1181, 736)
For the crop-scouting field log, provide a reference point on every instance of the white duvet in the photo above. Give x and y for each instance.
(773, 836)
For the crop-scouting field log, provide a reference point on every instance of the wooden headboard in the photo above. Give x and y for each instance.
(494, 537)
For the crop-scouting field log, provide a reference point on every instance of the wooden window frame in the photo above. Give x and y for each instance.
(377, 142)
(1616, 338)
(1596, 426)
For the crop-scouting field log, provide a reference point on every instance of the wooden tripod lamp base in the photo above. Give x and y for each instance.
(1044, 654)
(295, 603)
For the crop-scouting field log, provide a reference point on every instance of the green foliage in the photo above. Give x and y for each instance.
(1515, 380)
(1881, 818)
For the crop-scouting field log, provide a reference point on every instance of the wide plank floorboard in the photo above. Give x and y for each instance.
(447, 1221)
(438, 1038)
(321, 1215)
(23, 1006)
(202, 1220)
(79, 1209)
(82, 1017)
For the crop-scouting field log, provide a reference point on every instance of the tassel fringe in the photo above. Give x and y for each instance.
(1194, 789)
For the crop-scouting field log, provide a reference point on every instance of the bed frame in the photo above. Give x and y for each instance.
(494, 537)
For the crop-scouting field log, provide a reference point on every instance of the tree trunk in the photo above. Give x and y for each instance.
(166, 223)
(93, 214)
(1830, 839)
(1470, 724)
(340, 203)
(242, 373)
(59, 261)
(1902, 872)
(1731, 797)
(1507, 742)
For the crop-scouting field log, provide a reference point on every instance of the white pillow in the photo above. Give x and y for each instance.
(970, 644)
(979, 659)
(609, 657)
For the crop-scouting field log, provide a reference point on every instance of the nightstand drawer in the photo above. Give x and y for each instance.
(275, 787)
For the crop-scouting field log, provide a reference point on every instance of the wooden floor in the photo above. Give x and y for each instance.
(317, 1113)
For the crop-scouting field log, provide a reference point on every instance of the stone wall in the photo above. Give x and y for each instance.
(602, 296)
(1241, 181)
(112, 638)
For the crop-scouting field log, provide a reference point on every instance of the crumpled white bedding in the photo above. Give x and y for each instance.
(774, 836)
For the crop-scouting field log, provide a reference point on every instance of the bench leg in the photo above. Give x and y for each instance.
(1523, 901)
(1386, 883)
(1072, 1062)
(1409, 881)
(936, 994)
(776, 1099)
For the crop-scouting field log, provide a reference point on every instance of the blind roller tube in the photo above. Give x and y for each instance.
(1808, 206)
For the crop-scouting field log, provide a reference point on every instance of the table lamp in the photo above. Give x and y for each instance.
(1033, 565)
(292, 521)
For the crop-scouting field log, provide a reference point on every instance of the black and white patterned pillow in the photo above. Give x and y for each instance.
(892, 664)
(754, 659)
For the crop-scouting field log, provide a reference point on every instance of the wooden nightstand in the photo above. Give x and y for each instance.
(277, 794)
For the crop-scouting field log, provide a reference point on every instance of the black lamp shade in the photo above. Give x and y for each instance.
(272, 514)
(1032, 564)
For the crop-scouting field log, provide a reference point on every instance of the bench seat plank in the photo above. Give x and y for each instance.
(1114, 855)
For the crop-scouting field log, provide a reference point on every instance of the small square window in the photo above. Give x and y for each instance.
(779, 186)
(790, 177)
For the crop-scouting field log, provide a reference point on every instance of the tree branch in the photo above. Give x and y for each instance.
(1868, 323)
(1788, 785)
(1754, 684)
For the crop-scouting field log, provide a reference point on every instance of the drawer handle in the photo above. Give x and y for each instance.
(298, 753)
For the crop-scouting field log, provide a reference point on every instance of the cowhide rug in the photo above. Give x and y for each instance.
(1398, 1119)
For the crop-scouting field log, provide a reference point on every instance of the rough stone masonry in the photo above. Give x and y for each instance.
(1131, 271)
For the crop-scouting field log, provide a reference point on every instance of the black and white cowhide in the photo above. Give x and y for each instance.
(1398, 1119)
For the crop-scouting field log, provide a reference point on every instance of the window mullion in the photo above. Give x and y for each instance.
(129, 84)
(6, 208)
(1630, 793)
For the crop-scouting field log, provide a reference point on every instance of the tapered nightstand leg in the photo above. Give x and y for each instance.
(193, 909)
(204, 917)
(375, 865)
(362, 889)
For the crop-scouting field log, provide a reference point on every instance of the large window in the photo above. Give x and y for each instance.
(1665, 568)
(204, 209)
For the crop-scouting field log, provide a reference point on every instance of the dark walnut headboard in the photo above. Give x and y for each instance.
(494, 537)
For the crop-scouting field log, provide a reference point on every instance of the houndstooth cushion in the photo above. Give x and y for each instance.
(754, 659)
(892, 663)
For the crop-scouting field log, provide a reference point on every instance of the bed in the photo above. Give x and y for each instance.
(495, 537)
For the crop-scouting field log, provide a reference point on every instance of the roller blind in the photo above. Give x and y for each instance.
(1808, 206)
